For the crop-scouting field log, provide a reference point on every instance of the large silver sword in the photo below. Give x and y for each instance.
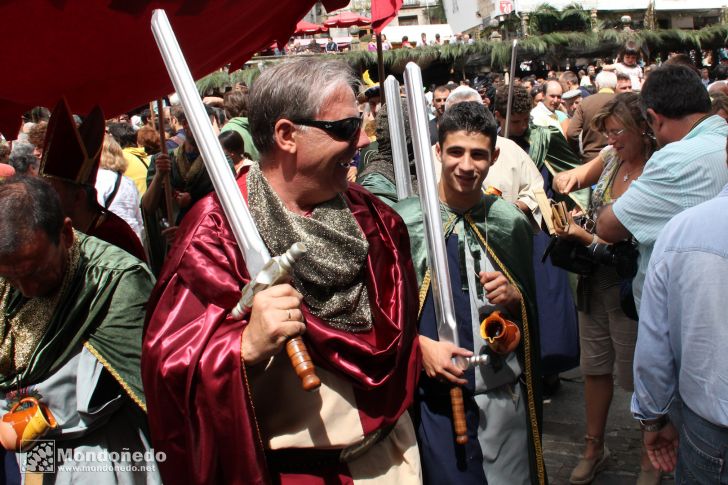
(435, 237)
(398, 139)
(264, 270)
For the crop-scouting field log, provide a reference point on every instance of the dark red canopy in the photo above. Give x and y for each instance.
(103, 52)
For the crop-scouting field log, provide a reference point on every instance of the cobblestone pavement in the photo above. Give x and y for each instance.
(564, 431)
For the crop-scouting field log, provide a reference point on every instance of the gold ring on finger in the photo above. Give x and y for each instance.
(289, 315)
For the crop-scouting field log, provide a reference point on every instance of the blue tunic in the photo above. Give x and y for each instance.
(494, 408)
(557, 314)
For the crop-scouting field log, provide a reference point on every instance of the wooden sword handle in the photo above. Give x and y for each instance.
(458, 415)
(302, 364)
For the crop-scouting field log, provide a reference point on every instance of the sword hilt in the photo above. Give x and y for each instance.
(466, 363)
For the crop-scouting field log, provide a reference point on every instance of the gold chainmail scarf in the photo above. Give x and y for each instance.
(21, 332)
(330, 276)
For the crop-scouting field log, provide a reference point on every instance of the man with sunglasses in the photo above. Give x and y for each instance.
(227, 406)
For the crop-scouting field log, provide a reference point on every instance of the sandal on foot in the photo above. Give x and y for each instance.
(649, 477)
(587, 468)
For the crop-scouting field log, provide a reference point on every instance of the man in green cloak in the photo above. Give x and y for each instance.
(378, 175)
(489, 248)
(71, 319)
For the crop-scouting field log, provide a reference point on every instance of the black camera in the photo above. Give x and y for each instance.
(622, 255)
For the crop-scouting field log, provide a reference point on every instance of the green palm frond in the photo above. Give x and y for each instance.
(245, 76)
(551, 47)
(216, 81)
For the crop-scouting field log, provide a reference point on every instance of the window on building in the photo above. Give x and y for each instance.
(408, 20)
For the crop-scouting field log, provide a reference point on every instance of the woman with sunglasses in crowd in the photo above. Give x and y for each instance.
(606, 333)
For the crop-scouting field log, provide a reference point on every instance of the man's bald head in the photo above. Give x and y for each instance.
(552, 92)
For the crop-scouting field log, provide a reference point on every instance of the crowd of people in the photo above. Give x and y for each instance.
(329, 45)
(582, 226)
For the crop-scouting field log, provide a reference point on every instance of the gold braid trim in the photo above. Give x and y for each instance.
(423, 292)
(424, 288)
(250, 394)
(116, 375)
(527, 351)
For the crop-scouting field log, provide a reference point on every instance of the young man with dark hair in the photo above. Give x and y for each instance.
(489, 249)
(331, 46)
(176, 127)
(624, 83)
(439, 97)
(520, 112)
(690, 168)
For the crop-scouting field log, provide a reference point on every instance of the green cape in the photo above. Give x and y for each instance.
(550, 148)
(103, 309)
(381, 186)
(510, 245)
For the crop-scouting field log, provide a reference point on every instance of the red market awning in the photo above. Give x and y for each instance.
(347, 19)
(307, 28)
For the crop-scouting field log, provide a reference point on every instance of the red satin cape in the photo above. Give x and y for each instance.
(199, 406)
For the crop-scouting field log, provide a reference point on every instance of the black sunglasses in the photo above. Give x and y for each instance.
(345, 130)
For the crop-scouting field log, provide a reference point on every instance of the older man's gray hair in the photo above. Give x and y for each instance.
(293, 89)
(462, 94)
(22, 158)
(606, 80)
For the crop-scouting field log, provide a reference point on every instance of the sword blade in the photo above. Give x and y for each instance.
(232, 201)
(430, 201)
(398, 138)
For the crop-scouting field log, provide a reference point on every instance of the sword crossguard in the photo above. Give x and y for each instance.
(466, 363)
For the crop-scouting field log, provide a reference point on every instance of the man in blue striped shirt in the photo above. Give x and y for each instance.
(680, 355)
(690, 168)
